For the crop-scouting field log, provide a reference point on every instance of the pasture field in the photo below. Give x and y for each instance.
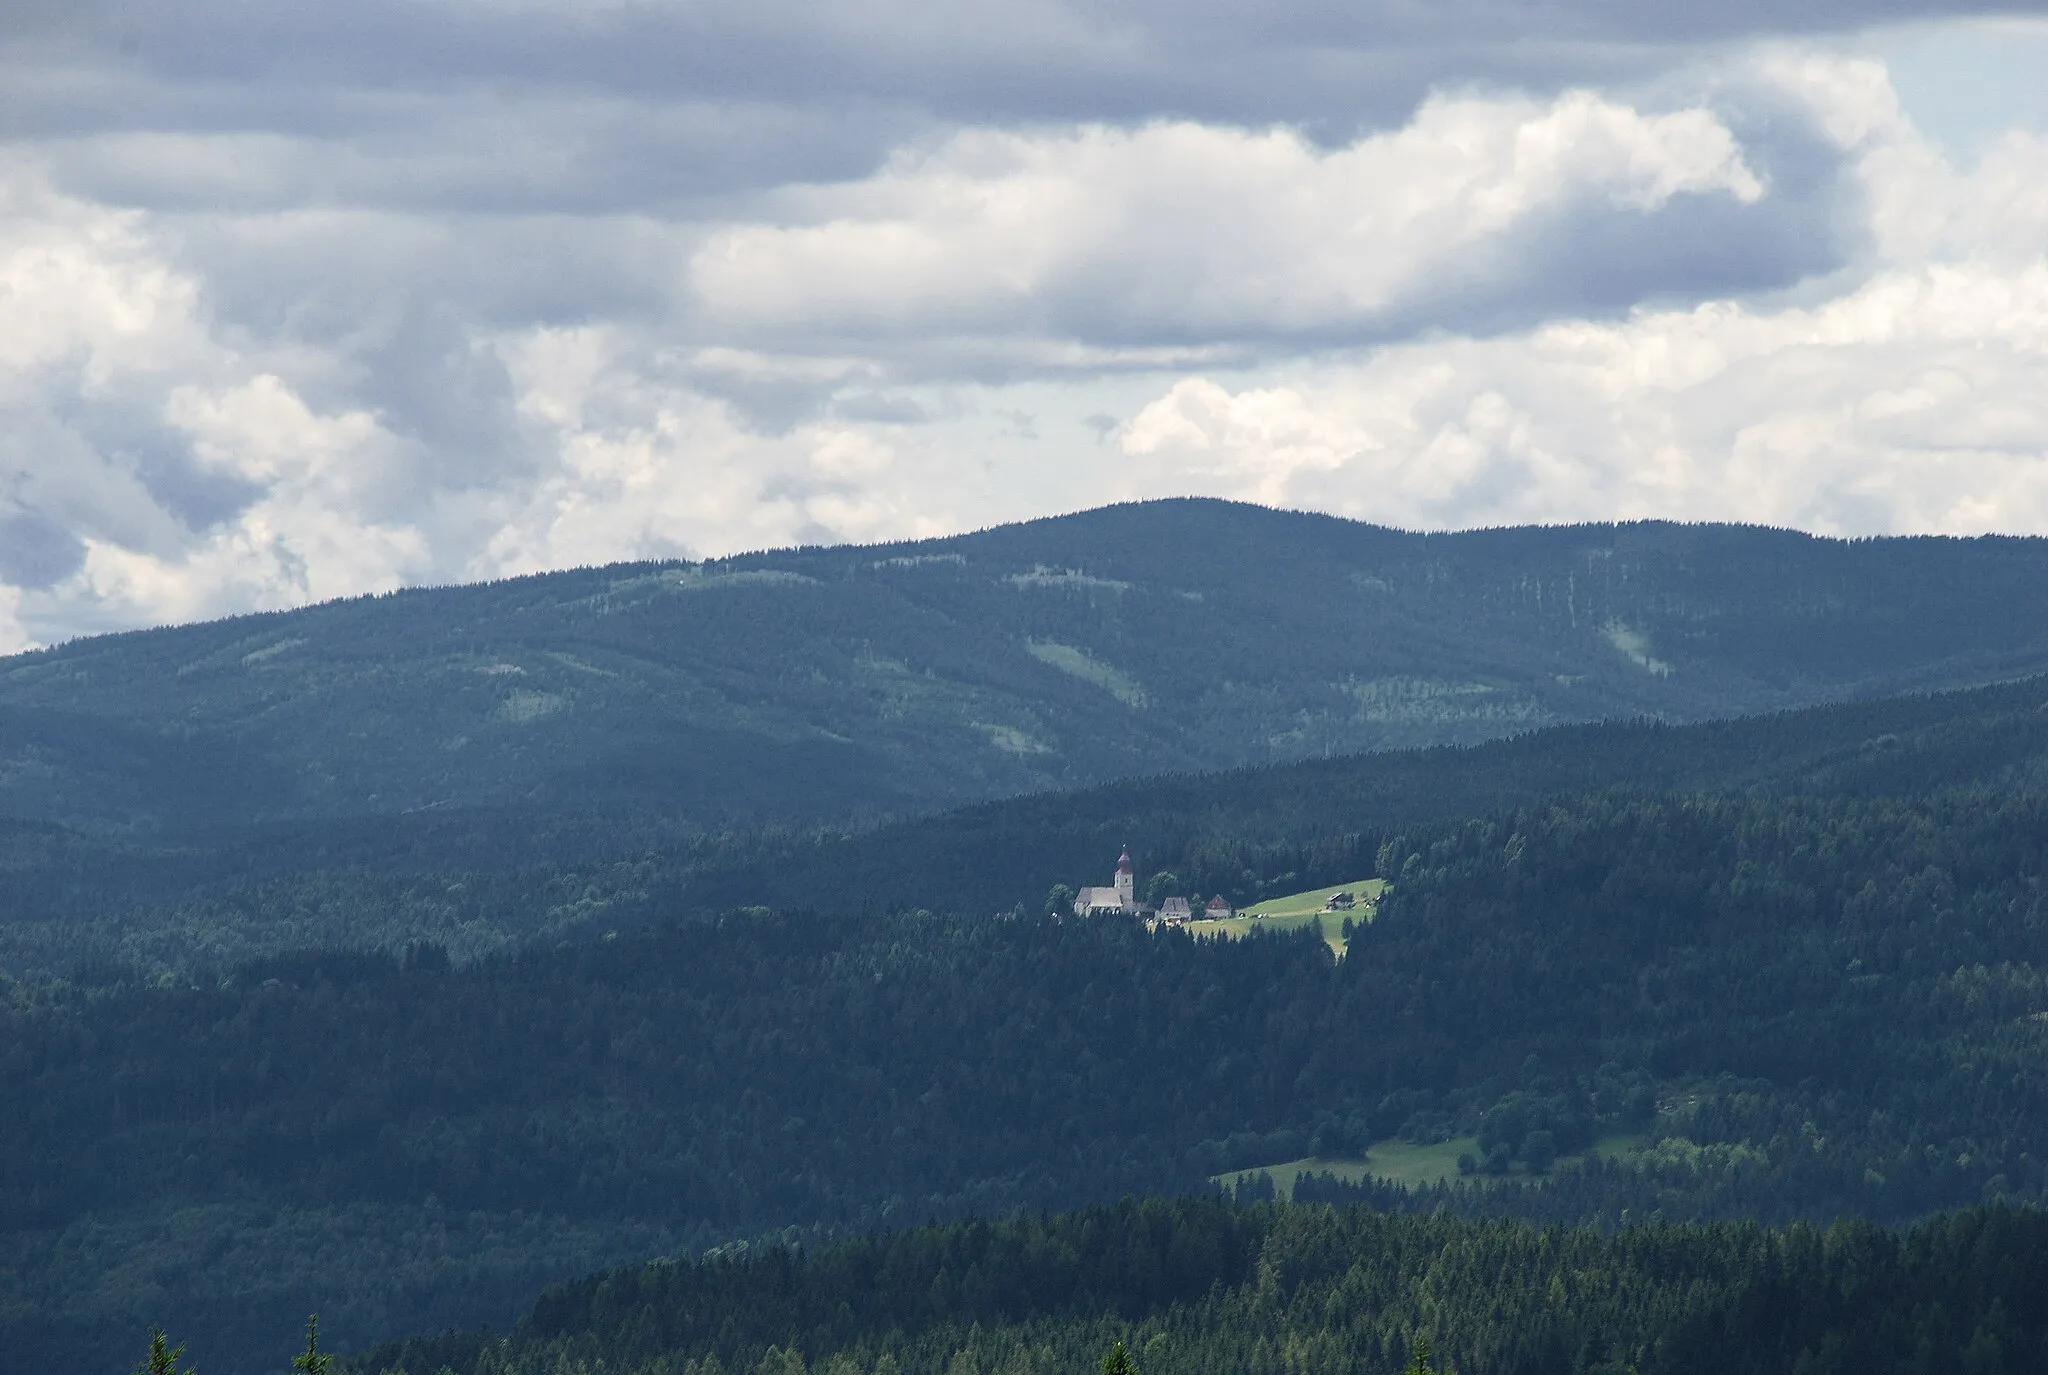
(1297, 910)
(1412, 1166)
(1366, 890)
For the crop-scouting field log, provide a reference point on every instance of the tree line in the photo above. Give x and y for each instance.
(1197, 1287)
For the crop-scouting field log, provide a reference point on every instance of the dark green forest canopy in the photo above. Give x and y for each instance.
(1201, 1288)
(1255, 832)
(819, 683)
(1807, 1007)
(479, 881)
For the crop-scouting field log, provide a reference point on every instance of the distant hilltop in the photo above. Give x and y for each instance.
(823, 683)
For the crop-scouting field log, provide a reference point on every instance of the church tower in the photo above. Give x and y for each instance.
(1126, 882)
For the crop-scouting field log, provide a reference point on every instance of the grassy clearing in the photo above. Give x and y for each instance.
(1414, 1167)
(1616, 1146)
(1366, 890)
(1088, 669)
(1297, 910)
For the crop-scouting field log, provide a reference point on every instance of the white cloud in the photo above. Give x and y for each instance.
(1915, 403)
(115, 392)
(85, 293)
(650, 468)
(1193, 230)
(1909, 396)
(14, 636)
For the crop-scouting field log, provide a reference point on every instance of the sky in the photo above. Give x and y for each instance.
(305, 301)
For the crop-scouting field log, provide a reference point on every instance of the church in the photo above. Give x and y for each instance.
(1122, 898)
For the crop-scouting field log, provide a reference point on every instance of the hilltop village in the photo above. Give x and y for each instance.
(1120, 898)
(1333, 909)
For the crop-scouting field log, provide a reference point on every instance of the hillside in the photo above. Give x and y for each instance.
(1251, 833)
(1798, 955)
(818, 683)
(483, 880)
(1803, 1007)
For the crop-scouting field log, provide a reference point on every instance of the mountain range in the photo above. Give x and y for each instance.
(827, 683)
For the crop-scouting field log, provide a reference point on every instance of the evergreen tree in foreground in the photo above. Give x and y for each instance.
(311, 1361)
(1119, 1362)
(163, 1358)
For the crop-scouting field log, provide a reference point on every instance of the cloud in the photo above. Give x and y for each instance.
(14, 636)
(1190, 232)
(1912, 404)
(548, 106)
(1051, 58)
(282, 330)
(148, 470)
(649, 466)
(1913, 397)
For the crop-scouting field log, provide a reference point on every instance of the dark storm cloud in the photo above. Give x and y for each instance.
(967, 61)
(622, 104)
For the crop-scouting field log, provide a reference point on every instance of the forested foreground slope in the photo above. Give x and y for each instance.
(1801, 1007)
(480, 881)
(1198, 1288)
(819, 683)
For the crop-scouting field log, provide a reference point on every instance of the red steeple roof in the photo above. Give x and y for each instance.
(1123, 862)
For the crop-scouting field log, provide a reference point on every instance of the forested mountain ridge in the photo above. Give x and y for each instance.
(481, 880)
(1254, 832)
(808, 683)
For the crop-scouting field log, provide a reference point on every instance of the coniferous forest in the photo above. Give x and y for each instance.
(1802, 1008)
(1195, 1287)
(1737, 1026)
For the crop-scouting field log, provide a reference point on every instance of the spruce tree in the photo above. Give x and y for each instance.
(1119, 1362)
(163, 1357)
(311, 1361)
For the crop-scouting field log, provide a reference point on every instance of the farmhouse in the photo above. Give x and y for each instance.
(1219, 909)
(1175, 911)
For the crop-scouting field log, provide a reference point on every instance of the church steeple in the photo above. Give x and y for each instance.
(1126, 881)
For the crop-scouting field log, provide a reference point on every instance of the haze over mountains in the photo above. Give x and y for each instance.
(816, 683)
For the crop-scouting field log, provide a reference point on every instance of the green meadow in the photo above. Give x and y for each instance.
(1407, 1164)
(1297, 910)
